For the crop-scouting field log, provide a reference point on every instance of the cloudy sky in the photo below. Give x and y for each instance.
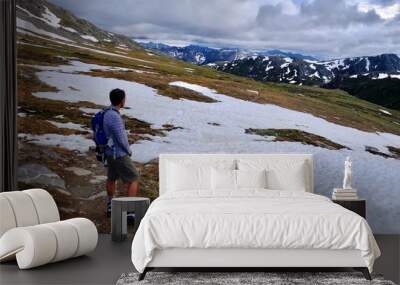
(325, 28)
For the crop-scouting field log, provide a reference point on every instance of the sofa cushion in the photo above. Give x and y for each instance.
(45, 205)
(7, 220)
(23, 208)
(41, 244)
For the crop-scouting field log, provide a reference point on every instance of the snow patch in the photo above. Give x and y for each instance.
(288, 59)
(200, 58)
(286, 64)
(89, 110)
(69, 125)
(385, 112)
(269, 66)
(315, 74)
(25, 27)
(104, 52)
(71, 142)
(123, 69)
(47, 17)
(367, 63)
(381, 76)
(90, 38)
(69, 29)
(50, 18)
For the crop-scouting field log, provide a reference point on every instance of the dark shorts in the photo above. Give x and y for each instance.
(123, 168)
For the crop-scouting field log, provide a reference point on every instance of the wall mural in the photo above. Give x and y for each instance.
(67, 67)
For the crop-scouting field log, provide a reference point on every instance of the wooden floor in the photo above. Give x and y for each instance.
(110, 260)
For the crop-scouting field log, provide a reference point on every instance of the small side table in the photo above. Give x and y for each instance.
(119, 209)
(357, 206)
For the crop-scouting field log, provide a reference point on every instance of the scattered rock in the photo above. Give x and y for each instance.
(73, 88)
(98, 179)
(253, 91)
(395, 151)
(79, 171)
(40, 175)
(102, 194)
(376, 151)
(170, 127)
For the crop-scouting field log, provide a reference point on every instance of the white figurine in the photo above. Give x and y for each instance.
(347, 174)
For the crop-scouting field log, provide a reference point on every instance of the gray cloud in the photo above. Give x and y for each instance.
(323, 27)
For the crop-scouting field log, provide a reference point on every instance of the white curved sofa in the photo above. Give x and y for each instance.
(31, 231)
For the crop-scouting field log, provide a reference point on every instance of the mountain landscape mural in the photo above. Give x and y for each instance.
(359, 76)
(198, 99)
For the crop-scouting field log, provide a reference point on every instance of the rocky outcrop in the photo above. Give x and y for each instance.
(40, 175)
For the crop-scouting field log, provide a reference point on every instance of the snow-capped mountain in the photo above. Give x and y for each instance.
(280, 66)
(312, 72)
(278, 69)
(384, 63)
(196, 54)
(204, 55)
(277, 52)
(45, 19)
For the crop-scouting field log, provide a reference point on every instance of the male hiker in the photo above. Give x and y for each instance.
(117, 151)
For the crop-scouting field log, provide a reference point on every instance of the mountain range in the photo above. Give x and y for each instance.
(312, 72)
(372, 78)
(200, 55)
(285, 67)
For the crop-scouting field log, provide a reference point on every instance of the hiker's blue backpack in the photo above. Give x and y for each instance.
(99, 136)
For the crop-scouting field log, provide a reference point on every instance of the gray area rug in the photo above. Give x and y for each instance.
(269, 278)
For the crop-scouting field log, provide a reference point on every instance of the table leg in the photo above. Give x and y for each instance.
(116, 221)
(124, 224)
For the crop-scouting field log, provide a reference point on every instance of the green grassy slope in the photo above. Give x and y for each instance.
(384, 92)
